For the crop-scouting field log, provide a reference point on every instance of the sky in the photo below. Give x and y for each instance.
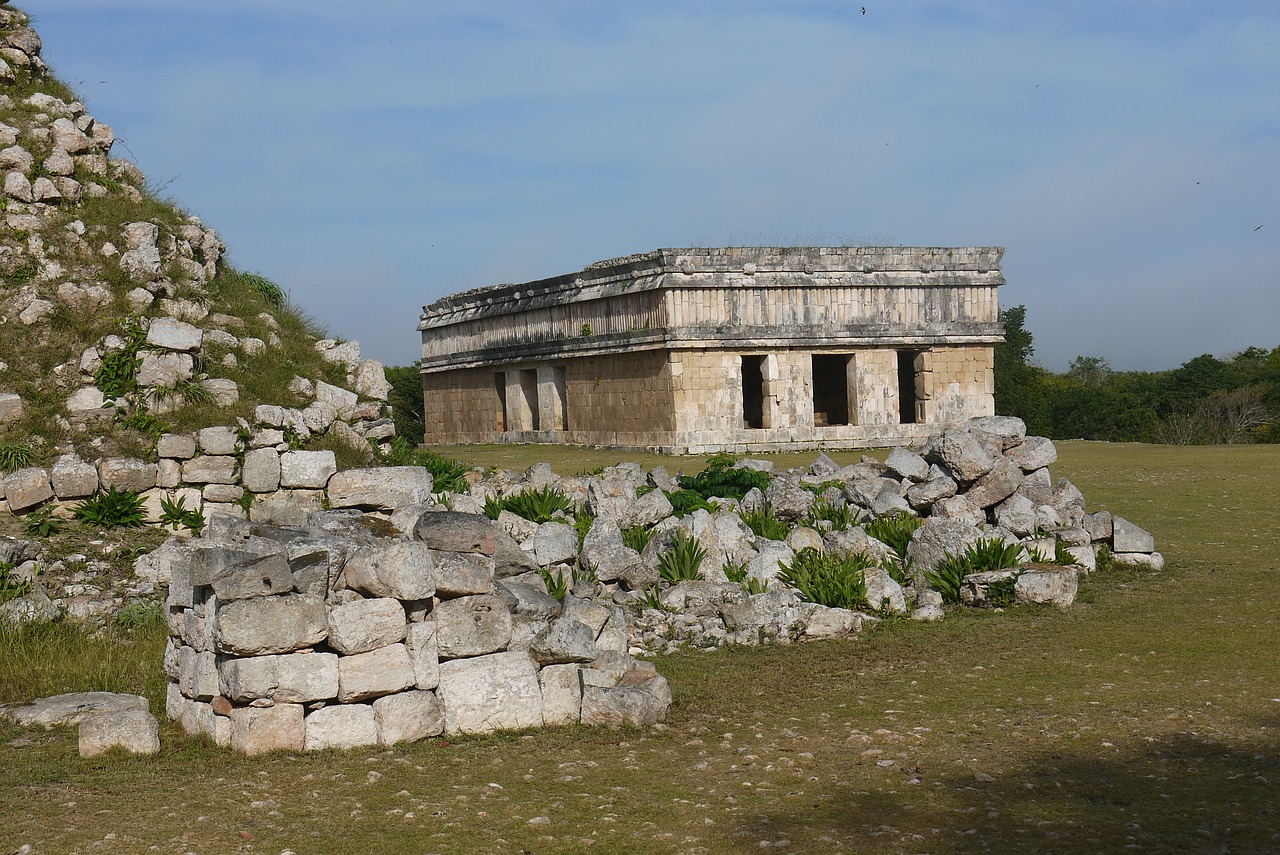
(372, 157)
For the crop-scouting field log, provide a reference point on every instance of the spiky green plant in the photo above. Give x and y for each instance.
(15, 456)
(112, 508)
(682, 562)
(534, 504)
(754, 586)
(981, 556)
(831, 579)
(895, 531)
(637, 537)
(558, 583)
(763, 523)
(735, 572)
(840, 516)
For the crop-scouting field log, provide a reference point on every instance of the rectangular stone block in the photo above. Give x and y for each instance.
(408, 717)
(257, 730)
(384, 671)
(421, 644)
(486, 693)
(272, 624)
(561, 694)
(341, 726)
(290, 678)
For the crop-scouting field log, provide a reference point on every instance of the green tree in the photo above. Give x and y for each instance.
(406, 402)
(1020, 385)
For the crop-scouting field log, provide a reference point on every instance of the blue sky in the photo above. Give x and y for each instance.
(373, 157)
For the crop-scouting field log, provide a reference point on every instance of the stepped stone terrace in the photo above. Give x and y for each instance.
(732, 349)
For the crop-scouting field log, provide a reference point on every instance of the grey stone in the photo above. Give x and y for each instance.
(1138, 560)
(908, 464)
(563, 641)
(647, 510)
(289, 678)
(508, 558)
(164, 370)
(486, 693)
(959, 509)
(883, 592)
(209, 469)
(975, 587)
(258, 730)
(1052, 586)
(408, 717)
(87, 400)
(611, 495)
(561, 694)
(10, 407)
(341, 726)
(1017, 514)
(826, 622)
(472, 626)
(172, 334)
(272, 624)
(261, 470)
(386, 488)
(459, 574)
(420, 640)
(27, 488)
(401, 569)
(258, 576)
(996, 485)
(922, 496)
(890, 501)
(966, 456)
(787, 499)
(180, 446)
(1035, 452)
(1127, 537)
(307, 469)
(370, 380)
(136, 731)
(1100, 526)
(612, 560)
(383, 671)
(553, 543)
(72, 708)
(933, 540)
(1007, 431)
(342, 400)
(640, 698)
(127, 473)
(450, 531)
(365, 625)
(531, 601)
(72, 478)
(217, 440)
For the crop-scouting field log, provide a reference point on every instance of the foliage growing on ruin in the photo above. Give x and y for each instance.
(682, 561)
(833, 579)
(536, 504)
(722, 478)
(763, 523)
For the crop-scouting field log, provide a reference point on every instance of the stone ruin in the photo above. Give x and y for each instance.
(411, 614)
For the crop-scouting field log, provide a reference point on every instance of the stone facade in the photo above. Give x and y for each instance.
(737, 349)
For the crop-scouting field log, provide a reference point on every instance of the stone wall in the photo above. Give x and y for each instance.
(324, 636)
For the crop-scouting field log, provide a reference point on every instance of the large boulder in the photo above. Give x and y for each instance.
(386, 488)
(499, 691)
(933, 540)
(272, 624)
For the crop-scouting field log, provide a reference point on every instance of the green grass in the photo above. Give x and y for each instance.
(1141, 720)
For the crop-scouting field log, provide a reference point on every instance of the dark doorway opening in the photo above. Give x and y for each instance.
(907, 387)
(500, 386)
(562, 394)
(753, 392)
(830, 389)
(529, 386)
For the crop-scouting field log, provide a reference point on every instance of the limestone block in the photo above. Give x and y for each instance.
(604, 551)
(209, 469)
(1054, 586)
(1100, 526)
(472, 626)
(257, 730)
(269, 415)
(136, 731)
(787, 499)
(289, 678)
(10, 407)
(641, 697)
(224, 392)
(364, 625)
(1017, 514)
(341, 726)
(126, 473)
(319, 416)
(401, 569)
(386, 488)
(69, 138)
(342, 400)
(256, 576)
(1035, 452)
(532, 601)
(561, 694)
(261, 470)
(450, 531)
(934, 539)
(1127, 537)
(908, 464)
(307, 469)
(370, 380)
(996, 485)
(883, 592)
(27, 488)
(825, 622)
(486, 693)
(272, 624)
(610, 496)
(408, 717)
(72, 478)
(384, 671)
(647, 510)
(459, 574)
(172, 334)
(164, 369)
(217, 440)
(85, 400)
(1007, 431)
(562, 641)
(179, 446)
(966, 456)
(1138, 560)
(18, 186)
(287, 507)
(72, 708)
(420, 640)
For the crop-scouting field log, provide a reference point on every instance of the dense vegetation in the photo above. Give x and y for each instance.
(1207, 400)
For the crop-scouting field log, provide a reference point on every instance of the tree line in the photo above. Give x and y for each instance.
(1206, 400)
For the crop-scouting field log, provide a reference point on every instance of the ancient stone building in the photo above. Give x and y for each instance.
(739, 349)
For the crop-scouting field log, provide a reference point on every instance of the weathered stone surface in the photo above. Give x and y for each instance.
(1127, 537)
(787, 499)
(127, 473)
(975, 588)
(923, 496)
(209, 469)
(136, 731)
(72, 478)
(561, 694)
(257, 576)
(85, 401)
(72, 708)
(1017, 514)
(612, 560)
(460, 574)
(307, 469)
(647, 510)
(641, 698)
(420, 640)
(933, 540)
(342, 400)
(472, 626)
(995, 486)
(272, 624)
(553, 543)
(450, 531)
(172, 334)
(384, 671)
(486, 693)
(164, 369)
(27, 488)
(217, 440)
(401, 569)
(563, 641)
(611, 495)
(289, 678)
(180, 446)
(825, 622)
(1006, 431)
(261, 470)
(1100, 525)
(386, 488)
(1138, 560)
(908, 464)
(965, 456)
(408, 717)
(371, 380)
(11, 408)
(341, 726)
(1052, 586)
(1036, 452)
(257, 730)
(883, 592)
(365, 625)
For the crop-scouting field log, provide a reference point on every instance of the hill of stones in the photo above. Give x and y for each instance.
(402, 613)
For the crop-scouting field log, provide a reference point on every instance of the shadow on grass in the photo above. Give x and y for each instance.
(1184, 793)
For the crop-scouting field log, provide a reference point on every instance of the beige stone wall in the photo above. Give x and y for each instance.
(963, 384)
(460, 406)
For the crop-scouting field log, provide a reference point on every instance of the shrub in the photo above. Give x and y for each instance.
(534, 504)
(637, 537)
(840, 516)
(15, 456)
(111, 508)
(764, 524)
(175, 515)
(558, 583)
(829, 578)
(447, 474)
(117, 374)
(682, 562)
(982, 556)
(42, 522)
(895, 531)
(685, 502)
(719, 478)
(735, 572)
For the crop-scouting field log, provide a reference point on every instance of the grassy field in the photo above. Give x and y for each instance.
(1144, 719)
